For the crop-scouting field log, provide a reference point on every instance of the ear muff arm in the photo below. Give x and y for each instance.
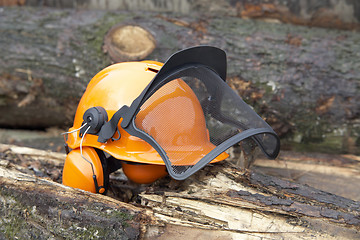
(98, 189)
(104, 163)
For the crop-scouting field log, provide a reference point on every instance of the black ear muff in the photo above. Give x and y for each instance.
(94, 117)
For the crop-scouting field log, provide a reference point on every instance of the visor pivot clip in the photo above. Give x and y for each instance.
(115, 139)
(109, 128)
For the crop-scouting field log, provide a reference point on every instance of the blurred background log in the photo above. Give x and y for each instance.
(342, 14)
(304, 81)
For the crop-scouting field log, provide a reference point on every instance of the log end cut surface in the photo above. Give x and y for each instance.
(128, 42)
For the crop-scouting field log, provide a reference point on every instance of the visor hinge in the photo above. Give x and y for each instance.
(109, 128)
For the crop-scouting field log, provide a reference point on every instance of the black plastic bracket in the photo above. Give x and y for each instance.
(109, 128)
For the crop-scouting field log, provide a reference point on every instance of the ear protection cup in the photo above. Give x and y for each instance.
(143, 173)
(94, 117)
(79, 173)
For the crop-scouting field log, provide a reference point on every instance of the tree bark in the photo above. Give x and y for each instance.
(304, 81)
(219, 201)
(36, 208)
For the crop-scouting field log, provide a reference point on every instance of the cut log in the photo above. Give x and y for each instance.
(304, 81)
(128, 43)
(220, 200)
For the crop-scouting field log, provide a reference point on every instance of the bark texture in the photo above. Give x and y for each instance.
(304, 81)
(219, 201)
(39, 208)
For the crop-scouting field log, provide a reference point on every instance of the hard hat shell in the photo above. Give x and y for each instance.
(118, 85)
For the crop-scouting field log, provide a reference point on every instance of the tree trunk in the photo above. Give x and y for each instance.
(220, 201)
(304, 81)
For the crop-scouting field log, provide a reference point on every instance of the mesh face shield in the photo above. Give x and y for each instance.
(195, 116)
(191, 116)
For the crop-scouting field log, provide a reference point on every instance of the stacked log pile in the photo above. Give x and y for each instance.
(304, 81)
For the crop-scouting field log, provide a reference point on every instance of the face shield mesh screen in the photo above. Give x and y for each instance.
(192, 113)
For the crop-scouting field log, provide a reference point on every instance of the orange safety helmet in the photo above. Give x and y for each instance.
(153, 119)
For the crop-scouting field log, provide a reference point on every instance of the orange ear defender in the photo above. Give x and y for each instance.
(155, 119)
(143, 173)
(89, 174)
